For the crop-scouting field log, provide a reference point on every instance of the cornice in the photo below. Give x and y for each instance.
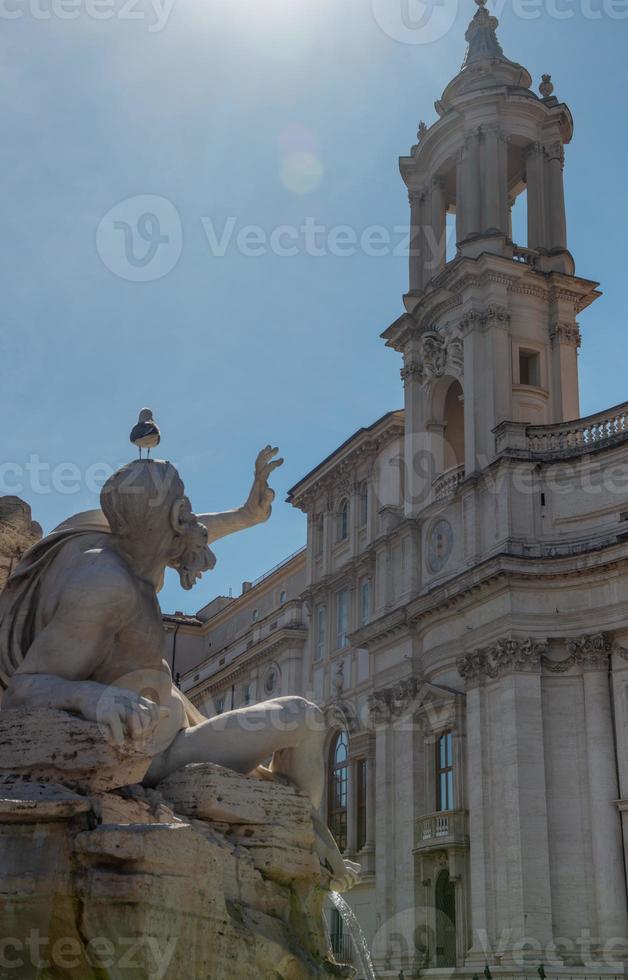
(498, 571)
(341, 471)
(270, 645)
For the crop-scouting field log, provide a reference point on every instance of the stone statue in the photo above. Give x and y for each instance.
(81, 631)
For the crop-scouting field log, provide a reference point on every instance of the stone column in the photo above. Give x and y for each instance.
(384, 882)
(507, 803)
(557, 217)
(416, 438)
(494, 183)
(369, 844)
(418, 240)
(606, 837)
(523, 807)
(565, 341)
(473, 206)
(328, 536)
(436, 240)
(477, 796)
(537, 194)
(309, 554)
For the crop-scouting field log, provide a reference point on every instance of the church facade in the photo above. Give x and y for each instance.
(460, 609)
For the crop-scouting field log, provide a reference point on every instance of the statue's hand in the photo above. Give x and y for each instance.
(125, 714)
(260, 501)
(348, 879)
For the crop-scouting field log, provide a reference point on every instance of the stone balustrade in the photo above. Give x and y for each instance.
(448, 482)
(440, 829)
(564, 439)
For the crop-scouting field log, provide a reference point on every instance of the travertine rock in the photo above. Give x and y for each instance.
(18, 531)
(120, 884)
(55, 746)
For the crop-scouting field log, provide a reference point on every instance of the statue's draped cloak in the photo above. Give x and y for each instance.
(20, 608)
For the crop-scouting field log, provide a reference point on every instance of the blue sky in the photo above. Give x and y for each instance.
(262, 114)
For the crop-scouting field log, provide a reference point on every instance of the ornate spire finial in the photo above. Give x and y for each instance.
(546, 88)
(421, 131)
(481, 36)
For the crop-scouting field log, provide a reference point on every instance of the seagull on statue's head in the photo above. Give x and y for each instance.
(146, 434)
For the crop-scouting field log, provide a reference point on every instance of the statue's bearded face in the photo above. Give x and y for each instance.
(192, 555)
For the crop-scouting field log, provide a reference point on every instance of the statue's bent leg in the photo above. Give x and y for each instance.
(290, 729)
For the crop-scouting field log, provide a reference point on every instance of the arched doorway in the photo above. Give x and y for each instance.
(453, 413)
(445, 903)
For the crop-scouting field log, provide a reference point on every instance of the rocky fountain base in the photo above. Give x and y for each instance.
(213, 876)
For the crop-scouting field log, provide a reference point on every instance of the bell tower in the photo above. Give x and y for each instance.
(491, 335)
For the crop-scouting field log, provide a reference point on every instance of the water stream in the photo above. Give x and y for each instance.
(357, 936)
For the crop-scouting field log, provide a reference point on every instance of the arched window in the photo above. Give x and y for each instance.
(364, 503)
(342, 518)
(454, 426)
(338, 784)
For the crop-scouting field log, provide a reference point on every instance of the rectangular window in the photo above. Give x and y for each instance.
(342, 619)
(247, 694)
(321, 632)
(365, 602)
(220, 705)
(445, 772)
(361, 774)
(529, 368)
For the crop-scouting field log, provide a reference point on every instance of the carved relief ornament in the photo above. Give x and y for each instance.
(591, 652)
(489, 317)
(563, 332)
(505, 656)
(392, 702)
(439, 356)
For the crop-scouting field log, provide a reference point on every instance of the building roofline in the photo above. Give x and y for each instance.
(276, 572)
(357, 435)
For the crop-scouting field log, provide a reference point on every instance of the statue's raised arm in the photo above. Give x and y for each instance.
(258, 506)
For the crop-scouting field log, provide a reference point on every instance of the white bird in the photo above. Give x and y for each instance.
(146, 434)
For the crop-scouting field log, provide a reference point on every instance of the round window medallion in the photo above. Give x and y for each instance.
(440, 545)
